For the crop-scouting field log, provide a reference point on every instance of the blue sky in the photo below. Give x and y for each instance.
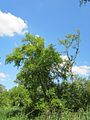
(51, 19)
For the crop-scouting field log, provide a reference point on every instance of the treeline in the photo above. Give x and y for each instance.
(46, 82)
(67, 96)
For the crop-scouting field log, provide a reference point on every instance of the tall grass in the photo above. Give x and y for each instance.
(3, 116)
(66, 115)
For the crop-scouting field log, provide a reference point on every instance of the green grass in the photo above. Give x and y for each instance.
(3, 116)
(66, 115)
(81, 115)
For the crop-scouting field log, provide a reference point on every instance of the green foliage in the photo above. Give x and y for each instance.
(74, 95)
(57, 104)
(65, 115)
(19, 97)
(40, 67)
(4, 96)
(42, 105)
(4, 99)
(37, 65)
(5, 112)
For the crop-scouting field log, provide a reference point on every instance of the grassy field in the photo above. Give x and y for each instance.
(80, 115)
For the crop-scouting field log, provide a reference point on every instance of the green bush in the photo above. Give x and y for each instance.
(74, 95)
(19, 97)
(4, 99)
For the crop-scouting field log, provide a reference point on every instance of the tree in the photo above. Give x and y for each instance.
(71, 45)
(37, 65)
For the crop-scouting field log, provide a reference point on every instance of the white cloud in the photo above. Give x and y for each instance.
(3, 76)
(64, 57)
(10, 24)
(37, 36)
(81, 70)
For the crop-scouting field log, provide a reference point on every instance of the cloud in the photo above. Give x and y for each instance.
(37, 36)
(3, 76)
(10, 24)
(81, 70)
(64, 57)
